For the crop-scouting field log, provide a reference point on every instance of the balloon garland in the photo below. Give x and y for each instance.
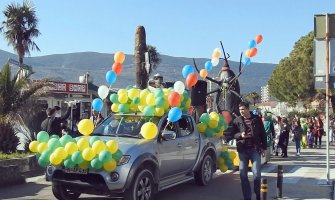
(226, 159)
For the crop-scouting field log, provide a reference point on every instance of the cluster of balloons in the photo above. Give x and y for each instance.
(111, 76)
(152, 103)
(226, 159)
(82, 152)
(252, 50)
(212, 124)
(190, 75)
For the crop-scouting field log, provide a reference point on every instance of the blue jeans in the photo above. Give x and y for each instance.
(297, 144)
(254, 156)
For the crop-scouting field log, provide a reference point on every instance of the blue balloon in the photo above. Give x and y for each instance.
(111, 77)
(252, 44)
(187, 69)
(208, 66)
(246, 61)
(174, 114)
(97, 104)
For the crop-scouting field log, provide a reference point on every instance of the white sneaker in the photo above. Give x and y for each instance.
(298, 154)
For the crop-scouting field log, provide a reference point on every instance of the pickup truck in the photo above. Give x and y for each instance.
(176, 155)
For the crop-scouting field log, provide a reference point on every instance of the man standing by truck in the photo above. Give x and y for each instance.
(249, 132)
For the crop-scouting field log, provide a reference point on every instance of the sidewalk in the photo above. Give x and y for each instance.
(304, 175)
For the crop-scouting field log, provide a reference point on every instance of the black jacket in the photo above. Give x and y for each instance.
(52, 124)
(237, 127)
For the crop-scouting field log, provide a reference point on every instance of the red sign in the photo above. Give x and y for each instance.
(71, 88)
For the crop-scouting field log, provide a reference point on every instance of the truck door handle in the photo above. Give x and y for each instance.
(179, 145)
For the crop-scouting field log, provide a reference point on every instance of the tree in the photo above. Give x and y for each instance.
(292, 80)
(253, 97)
(154, 58)
(20, 27)
(139, 58)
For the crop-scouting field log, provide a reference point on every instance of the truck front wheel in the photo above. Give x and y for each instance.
(204, 175)
(142, 187)
(62, 193)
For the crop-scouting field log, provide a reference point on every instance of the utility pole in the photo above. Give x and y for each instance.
(327, 96)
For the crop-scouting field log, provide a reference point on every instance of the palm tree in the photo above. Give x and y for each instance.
(154, 57)
(254, 96)
(20, 27)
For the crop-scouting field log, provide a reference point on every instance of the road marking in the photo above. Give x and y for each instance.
(268, 168)
(295, 174)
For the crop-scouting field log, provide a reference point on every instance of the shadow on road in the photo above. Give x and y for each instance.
(27, 190)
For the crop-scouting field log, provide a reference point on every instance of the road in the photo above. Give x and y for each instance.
(304, 178)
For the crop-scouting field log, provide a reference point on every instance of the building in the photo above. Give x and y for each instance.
(265, 95)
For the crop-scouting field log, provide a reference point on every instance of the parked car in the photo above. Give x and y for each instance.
(178, 154)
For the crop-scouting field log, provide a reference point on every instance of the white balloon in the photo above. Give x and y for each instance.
(103, 91)
(179, 87)
(216, 49)
(215, 61)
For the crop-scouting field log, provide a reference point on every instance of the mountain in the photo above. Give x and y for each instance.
(68, 67)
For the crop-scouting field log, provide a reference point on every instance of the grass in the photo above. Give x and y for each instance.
(4, 156)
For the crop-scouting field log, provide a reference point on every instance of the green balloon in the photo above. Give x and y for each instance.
(93, 139)
(54, 136)
(136, 100)
(68, 163)
(96, 164)
(158, 92)
(77, 158)
(149, 111)
(65, 139)
(53, 144)
(160, 101)
(204, 118)
(105, 156)
(129, 87)
(42, 136)
(210, 132)
(123, 108)
(43, 163)
(114, 98)
(117, 155)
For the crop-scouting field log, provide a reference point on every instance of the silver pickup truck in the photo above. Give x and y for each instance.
(178, 154)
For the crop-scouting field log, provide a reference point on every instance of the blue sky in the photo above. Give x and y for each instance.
(181, 28)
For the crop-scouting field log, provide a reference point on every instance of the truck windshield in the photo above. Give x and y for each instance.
(123, 125)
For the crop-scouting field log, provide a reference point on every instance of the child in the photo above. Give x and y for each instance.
(310, 137)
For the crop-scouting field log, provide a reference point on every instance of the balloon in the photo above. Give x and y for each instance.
(77, 158)
(227, 117)
(209, 132)
(117, 68)
(114, 98)
(201, 127)
(159, 112)
(60, 151)
(54, 136)
(42, 136)
(86, 127)
(149, 130)
(103, 91)
(258, 39)
(68, 163)
(160, 101)
(83, 143)
(158, 92)
(174, 99)
(43, 160)
(71, 147)
(112, 146)
(33, 146)
(98, 147)
(117, 155)
(88, 154)
(150, 100)
(110, 165)
(203, 73)
(252, 44)
(191, 80)
(111, 77)
(83, 165)
(133, 93)
(123, 98)
(53, 144)
(96, 164)
(208, 66)
(55, 160)
(247, 53)
(149, 111)
(119, 57)
(105, 156)
(136, 100)
(42, 147)
(93, 139)
(97, 104)
(214, 116)
(115, 107)
(232, 155)
(253, 52)
(215, 61)
(213, 123)
(204, 118)
(179, 87)
(123, 108)
(246, 61)
(65, 139)
(187, 69)
(216, 53)
(174, 114)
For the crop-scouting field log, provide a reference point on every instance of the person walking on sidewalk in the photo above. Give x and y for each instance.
(318, 131)
(297, 136)
(249, 132)
(284, 137)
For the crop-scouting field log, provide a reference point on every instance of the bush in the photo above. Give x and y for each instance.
(8, 138)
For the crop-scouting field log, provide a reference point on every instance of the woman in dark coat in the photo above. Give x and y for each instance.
(284, 137)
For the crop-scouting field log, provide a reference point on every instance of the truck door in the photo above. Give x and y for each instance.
(170, 152)
(189, 140)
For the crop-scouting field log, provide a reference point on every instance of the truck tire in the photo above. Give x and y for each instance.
(142, 187)
(204, 175)
(62, 193)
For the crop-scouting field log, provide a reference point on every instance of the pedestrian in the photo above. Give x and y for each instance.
(310, 130)
(249, 132)
(284, 137)
(270, 134)
(278, 128)
(297, 136)
(65, 128)
(318, 131)
(96, 117)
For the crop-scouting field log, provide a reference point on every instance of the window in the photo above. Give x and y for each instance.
(185, 126)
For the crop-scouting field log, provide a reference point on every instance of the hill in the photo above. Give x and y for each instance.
(68, 67)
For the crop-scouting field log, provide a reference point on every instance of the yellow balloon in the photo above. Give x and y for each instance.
(141, 107)
(213, 124)
(221, 161)
(123, 98)
(42, 147)
(149, 130)
(214, 116)
(83, 143)
(133, 93)
(33, 146)
(188, 103)
(86, 127)
(201, 127)
(83, 165)
(223, 168)
(115, 107)
(54, 159)
(112, 146)
(224, 148)
(98, 146)
(88, 154)
(60, 152)
(150, 100)
(216, 54)
(71, 147)
(110, 165)
(219, 134)
(159, 112)
(119, 57)
(133, 107)
(232, 155)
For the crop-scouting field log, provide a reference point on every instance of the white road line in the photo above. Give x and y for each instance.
(268, 168)
(295, 174)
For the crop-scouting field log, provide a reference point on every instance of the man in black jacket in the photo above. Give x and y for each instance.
(249, 132)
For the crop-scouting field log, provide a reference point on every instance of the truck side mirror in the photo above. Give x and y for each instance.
(168, 135)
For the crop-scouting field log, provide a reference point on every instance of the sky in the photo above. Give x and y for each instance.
(179, 28)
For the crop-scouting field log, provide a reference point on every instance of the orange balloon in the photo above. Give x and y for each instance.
(227, 116)
(258, 38)
(119, 57)
(174, 99)
(216, 54)
(253, 52)
(203, 73)
(247, 53)
(117, 68)
(191, 79)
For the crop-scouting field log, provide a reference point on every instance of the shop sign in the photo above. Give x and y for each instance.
(66, 87)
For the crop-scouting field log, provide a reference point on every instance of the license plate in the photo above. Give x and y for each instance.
(76, 171)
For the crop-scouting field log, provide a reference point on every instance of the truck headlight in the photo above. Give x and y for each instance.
(124, 160)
